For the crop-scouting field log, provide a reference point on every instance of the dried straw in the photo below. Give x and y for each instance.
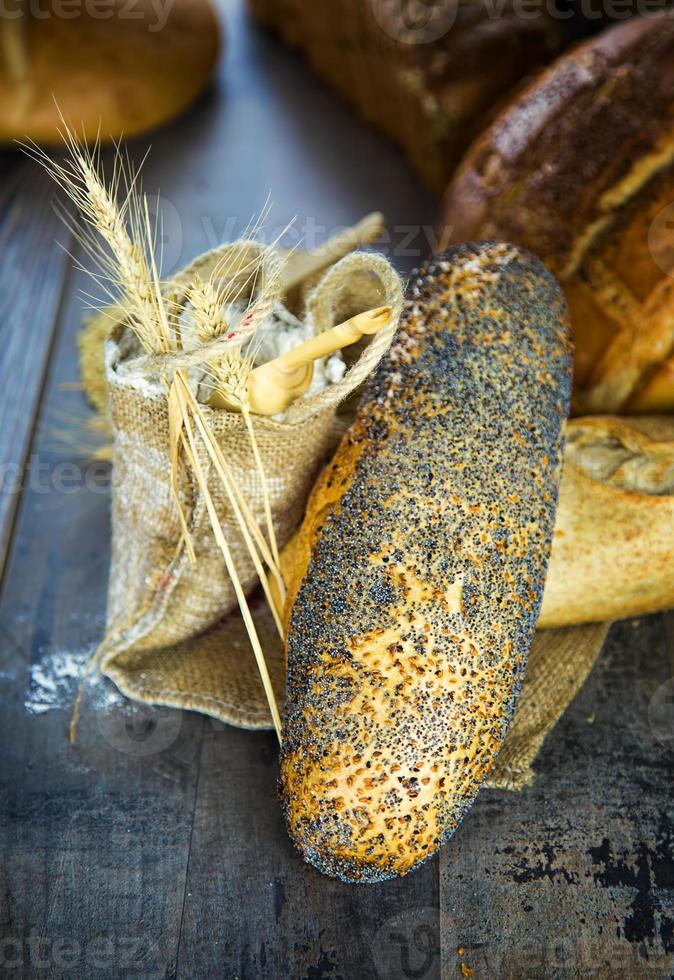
(183, 393)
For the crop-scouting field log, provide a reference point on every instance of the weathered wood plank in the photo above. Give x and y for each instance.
(95, 838)
(32, 275)
(156, 847)
(573, 876)
(254, 910)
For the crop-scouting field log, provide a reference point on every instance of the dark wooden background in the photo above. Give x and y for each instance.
(155, 846)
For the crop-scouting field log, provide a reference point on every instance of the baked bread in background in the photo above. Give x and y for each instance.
(120, 73)
(579, 168)
(613, 546)
(425, 74)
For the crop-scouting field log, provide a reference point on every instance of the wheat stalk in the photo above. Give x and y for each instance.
(253, 539)
(265, 491)
(230, 372)
(192, 453)
(175, 437)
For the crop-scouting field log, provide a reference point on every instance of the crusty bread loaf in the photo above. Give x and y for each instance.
(121, 74)
(420, 567)
(613, 546)
(425, 74)
(579, 168)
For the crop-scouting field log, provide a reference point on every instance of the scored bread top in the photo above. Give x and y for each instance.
(575, 145)
(579, 168)
(426, 542)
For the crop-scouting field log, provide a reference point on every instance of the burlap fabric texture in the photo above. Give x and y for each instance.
(559, 663)
(165, 640)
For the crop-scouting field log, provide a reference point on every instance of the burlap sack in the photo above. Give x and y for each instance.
(162, 642)
(168, 639)
(559, 663)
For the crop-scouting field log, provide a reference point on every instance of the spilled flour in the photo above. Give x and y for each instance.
(54, 682)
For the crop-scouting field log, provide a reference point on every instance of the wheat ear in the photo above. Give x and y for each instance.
(206, 308)
(124, 228)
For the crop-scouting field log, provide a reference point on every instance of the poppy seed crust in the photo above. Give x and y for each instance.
(421, 565)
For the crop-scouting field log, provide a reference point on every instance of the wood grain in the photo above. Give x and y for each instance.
(573, 876)
(33, 271)
(95, 837)
(255, 910)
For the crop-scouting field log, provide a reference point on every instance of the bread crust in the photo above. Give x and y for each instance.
(429, 534)
(432, 90)
(613, 546)
(578, 168)
(113, 76)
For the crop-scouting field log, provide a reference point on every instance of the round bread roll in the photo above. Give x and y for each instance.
(579, 168)
(121, 67)
(420, 564)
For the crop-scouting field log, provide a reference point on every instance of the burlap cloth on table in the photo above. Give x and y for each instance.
(559, 663)
(172, 636)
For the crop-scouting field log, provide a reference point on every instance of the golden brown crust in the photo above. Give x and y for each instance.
(428, 87)
(124, 74)
(323, 502)
(428, 536)
(579, 169)
(613, 546)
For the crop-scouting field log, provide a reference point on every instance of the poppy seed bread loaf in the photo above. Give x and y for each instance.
(419, 568)
(579, 168)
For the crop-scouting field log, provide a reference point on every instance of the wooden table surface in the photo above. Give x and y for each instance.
(155, 846)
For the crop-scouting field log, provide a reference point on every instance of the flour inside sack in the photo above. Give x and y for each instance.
(282, 332)
(277, 334)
